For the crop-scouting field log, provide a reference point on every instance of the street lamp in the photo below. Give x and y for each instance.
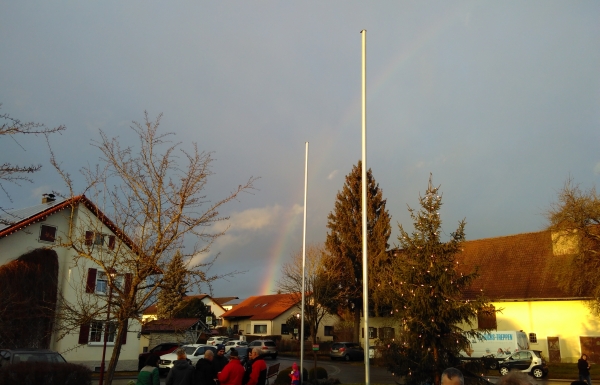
(106, 329)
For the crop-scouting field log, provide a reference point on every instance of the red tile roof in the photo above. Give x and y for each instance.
(169, 325)
(514, 267)
(263, 307)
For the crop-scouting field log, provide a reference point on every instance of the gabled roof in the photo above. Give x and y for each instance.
(263, 307)
(153, 310)
(512, 268)
(170, 325)
(14, 220)
(224, 300)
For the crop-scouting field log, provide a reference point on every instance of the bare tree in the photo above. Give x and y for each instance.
(323, 293)
(157, 206)
(13, 173)
(575, 224)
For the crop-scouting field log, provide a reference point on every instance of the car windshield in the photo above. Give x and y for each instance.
(38, 357)
(190, 350)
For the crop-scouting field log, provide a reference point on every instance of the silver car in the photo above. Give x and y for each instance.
(267, 347)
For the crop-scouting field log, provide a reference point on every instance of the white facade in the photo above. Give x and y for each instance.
(71, 280)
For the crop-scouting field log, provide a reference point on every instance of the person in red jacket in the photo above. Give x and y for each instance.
(233, 372)
(258, 374)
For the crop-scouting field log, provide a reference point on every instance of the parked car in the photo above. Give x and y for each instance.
(267, 347)
(346, 351)
(159, 350)
(234, 344)
(243, 353)
(528, 361)
(193, 351)
(216, 340)
(14, 356)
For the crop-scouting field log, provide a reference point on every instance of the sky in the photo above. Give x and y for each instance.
(499, 101)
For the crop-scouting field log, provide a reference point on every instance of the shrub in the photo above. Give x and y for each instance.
(283, 377)
(45, 373)
(321, 373)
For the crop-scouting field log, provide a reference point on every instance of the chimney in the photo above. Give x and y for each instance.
(47, 198)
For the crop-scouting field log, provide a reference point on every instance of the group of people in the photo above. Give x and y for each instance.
(208, 370)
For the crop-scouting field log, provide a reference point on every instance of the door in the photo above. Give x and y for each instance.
(554, 349)
(591, 347)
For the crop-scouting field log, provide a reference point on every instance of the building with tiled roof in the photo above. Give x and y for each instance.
(40, 229)
(266, 315)
(517, 275)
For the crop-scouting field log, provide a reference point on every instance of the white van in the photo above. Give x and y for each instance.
(496, 346)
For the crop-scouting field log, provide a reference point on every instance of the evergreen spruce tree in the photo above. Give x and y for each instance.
(173, 288)
(425, 288)
(194, 308)
(344, 239)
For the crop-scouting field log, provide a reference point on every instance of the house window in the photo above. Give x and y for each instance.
(260, 329)
(97, 281)
(47, 233)
(533, 338)
(387, 333)
(486, 318)
(372, 333)
(285, 329)
(97, 330)
(98, 239)
(328, 331)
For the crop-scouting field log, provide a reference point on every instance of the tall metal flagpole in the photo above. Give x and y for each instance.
(303, 267)
(364, 205)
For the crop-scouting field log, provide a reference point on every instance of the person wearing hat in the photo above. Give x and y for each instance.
(220, 360)
(233, 372)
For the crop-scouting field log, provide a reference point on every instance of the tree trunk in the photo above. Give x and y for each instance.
(356, 334)
(114, 359)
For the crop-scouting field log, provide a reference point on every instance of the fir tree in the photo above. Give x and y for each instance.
(173, 287)
(425, 289)
(194, 308)
(344, 239)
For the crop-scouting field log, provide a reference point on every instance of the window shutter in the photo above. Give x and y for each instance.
(393, 332)
(363, 332)
(111, 242)
(84, 334)
(89, 238)
(127, 282)
(90, 286)
(374, 333)
(380, 332)
(124, 336)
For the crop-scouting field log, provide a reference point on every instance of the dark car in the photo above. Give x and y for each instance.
(528, 361)
(159, 350)
(346, 351)
(14, 356)
(243, 353)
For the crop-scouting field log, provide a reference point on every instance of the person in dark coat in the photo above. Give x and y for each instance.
(206, 373)
(182, 373)
(583, 366)
(220, 360)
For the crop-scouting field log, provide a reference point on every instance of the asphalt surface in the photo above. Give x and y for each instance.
(346, 372)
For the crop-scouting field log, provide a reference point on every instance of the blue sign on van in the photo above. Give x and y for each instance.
(498, 337)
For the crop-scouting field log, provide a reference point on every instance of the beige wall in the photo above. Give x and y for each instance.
(274, 326)
(567, 320)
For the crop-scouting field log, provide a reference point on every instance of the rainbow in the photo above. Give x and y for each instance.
(292, 229)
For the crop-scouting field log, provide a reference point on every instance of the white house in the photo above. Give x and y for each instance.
(266, 315)
(44, 226)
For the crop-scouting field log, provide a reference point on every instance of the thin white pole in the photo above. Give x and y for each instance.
(303, 267)
(364, 206)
